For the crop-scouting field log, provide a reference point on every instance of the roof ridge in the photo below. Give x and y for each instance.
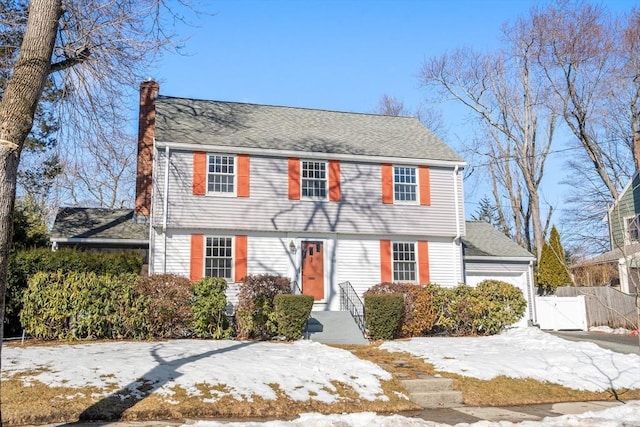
(288, 107)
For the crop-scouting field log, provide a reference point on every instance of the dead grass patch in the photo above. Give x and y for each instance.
(40, 404)
(500, 391)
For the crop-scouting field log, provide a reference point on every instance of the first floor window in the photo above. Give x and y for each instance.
(221, 176)
(314, 179)
(405, 184)
(404, 262)
(218, 257)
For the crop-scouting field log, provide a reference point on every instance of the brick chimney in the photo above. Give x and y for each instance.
(146, 131)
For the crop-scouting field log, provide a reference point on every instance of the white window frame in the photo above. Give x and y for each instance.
(396, 273)
(206, 256)
(314, 179)
(210, 174)
(416, 185)
(633, 220)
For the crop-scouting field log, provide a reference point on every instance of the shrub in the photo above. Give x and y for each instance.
(81, 305)
(254, 314)
(420, 312)
(209, 305)
(383, 315)
(24, 263)
(457, 311)
(166, 301)
(291, 313)
(499, 304)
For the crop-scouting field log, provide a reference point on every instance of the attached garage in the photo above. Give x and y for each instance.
(489, 254)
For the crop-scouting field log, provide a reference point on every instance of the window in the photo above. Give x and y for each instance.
(221, 174)
(314, 180)
(631, 226)
(218, 259)
(404, 262)
(404, 184)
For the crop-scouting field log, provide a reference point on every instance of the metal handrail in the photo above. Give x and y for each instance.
(351, 302)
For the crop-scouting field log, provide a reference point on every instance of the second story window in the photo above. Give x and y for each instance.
(405, 184)
(221, 174)
(314, 179)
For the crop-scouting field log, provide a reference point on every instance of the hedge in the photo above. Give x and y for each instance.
(291, 313)
(383, 315)
(254, 313)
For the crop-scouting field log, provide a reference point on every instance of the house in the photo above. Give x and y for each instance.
(99, 229)
(624, 234)
(489, 254)
(323, 197)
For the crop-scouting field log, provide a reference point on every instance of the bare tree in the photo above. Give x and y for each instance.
(93, 50)
(429, 117)
(502, 90)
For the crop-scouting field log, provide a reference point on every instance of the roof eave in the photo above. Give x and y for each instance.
(499, 258)
(307, 154)
(99, 240)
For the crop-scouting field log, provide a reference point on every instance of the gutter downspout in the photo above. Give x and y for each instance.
(533, 311)
(456, 240)
(165, 207)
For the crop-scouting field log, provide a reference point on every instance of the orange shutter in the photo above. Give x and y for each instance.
(243, 175)
(197, 258)
(385, 261)
(425, 185)
(199, 173)
(423, 262)
(334, 180)
(387, 183)
(240, 259)
(294, 179)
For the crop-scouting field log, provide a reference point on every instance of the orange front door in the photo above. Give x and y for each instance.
(313, 269)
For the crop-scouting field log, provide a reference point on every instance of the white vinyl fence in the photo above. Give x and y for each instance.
(562, 313)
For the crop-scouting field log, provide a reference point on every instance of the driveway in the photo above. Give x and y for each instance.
(615, 342)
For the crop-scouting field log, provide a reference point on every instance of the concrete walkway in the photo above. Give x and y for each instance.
(451, 416)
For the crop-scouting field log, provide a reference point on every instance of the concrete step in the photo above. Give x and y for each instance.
(334, 327)
(433, 392)
(428, 384)
(438, 399)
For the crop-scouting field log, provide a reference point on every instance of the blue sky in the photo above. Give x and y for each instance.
(338, 55)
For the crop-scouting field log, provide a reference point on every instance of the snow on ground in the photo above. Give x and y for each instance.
(620, 416)
(528, 353)
(303, 370)
(608, 330)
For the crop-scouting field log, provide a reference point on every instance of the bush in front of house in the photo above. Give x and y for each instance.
(25, 263)
(384, 314)
(420, 312)
(254, 313)
(81, 305)
(499, 304)
(166, 302)
(457, 311)
(209, 308)
(291, 313)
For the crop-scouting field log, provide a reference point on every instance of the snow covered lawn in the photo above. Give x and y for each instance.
(302, 370)
(528, 353)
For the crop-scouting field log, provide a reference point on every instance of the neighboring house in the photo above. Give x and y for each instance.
(99, 229)
(489, 254)
(620, 266)
(624, 232)
(321, 197)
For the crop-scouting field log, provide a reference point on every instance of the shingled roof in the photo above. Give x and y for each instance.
(97, 224)
(191, 121)
(483, 240)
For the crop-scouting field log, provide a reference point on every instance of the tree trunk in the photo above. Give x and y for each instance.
(17, 109)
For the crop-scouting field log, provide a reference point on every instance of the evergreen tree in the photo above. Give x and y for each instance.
(486, 212)
(552, 267)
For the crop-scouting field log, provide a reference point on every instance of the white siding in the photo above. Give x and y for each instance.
(444, 262)
(178, 254)
(358, 263)
(269, 209)
(268, 255)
